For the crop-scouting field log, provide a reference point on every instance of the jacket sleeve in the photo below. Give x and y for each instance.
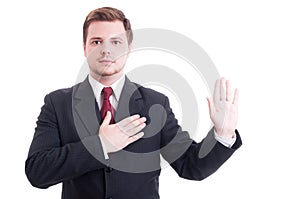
(191, 160)
(49, 162)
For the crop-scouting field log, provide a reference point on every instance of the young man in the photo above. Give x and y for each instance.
(101, 141)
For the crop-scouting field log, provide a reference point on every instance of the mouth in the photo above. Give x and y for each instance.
(105, 61)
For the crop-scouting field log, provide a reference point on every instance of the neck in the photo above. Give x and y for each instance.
(107, 80)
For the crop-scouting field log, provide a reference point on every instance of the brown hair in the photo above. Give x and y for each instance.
(107, 14)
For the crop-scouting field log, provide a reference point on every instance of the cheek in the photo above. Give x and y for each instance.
(121, 51)
(90, 53)
(87, 50)
(121, 61)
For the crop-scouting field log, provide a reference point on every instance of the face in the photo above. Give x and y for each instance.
(106, 49)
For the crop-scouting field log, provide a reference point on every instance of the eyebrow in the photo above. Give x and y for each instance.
(96, 38)
(116, 38)
(100, 38)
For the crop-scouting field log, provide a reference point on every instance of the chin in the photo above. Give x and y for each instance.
(108, 73)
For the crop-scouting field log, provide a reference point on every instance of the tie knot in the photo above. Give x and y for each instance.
(107, 91)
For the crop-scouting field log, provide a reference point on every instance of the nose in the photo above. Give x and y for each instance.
(105, 49)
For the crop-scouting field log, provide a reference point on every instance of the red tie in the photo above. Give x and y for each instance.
(106, 105)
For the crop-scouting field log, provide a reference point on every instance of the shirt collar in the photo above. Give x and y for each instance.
(97, 87)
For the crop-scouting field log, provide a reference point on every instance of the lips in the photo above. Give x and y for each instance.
(105, 61)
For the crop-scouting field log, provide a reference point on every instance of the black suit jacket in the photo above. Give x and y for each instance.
(66, 147)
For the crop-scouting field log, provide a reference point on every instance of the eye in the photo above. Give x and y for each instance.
(116, 42)
(96, 42)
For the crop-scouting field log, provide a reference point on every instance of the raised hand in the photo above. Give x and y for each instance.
(223, 109)
(117, 136)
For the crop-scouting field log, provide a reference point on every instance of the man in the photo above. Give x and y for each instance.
(101, 141)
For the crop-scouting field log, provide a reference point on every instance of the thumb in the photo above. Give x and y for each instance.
(107, 118)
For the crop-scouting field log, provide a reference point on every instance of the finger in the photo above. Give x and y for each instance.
(127, 120)
(135, 130)
(228, 91)
(134, 124)
(217, 91)
(236, 96)
(134, 138)
(222, 89)
(210, 104)
(107, 118)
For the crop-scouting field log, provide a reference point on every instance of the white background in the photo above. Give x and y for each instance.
(253, 43)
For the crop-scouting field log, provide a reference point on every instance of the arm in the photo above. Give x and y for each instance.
(196, 161)
(49, 161)
(204, 158)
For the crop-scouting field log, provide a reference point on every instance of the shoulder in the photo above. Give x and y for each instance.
(152, 95)
(61, 95)
(147, 94)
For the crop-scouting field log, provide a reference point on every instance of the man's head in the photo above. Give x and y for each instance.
(107, 14)
(107, 37)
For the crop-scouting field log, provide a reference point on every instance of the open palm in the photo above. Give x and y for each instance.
(223, 109)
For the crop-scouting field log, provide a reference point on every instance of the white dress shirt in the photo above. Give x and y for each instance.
(115, 97)
(116, 87)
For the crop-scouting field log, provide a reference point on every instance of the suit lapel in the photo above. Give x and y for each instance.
(84, 111)
(130, 101)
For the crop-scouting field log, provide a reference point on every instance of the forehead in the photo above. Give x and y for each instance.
(105, 29)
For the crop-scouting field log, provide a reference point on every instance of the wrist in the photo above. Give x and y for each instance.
(225, 133)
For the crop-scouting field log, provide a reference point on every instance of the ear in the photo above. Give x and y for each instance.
(129, 49)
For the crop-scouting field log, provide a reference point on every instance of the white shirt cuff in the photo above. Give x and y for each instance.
(228, 142)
